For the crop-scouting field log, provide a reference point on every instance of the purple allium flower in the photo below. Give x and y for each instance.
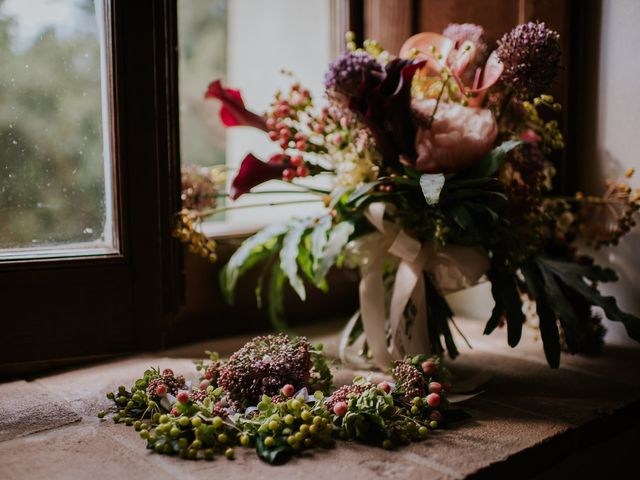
(347, 71)
(409, 380)
(462, 32)
(263, 366)
(531, 57)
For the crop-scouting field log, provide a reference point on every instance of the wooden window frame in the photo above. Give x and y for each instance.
(62, 311)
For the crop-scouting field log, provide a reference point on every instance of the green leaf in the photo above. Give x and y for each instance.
(274, 455)
(547, 316)
(276, 298)
(338, 238)
(252, 251)
(572, 276)
(507, 303)
(361, 191)
(493, 161)
(431, 185)
(319, 239)
(289, 256)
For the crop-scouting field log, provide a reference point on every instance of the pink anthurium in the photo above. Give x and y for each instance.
(233, 112)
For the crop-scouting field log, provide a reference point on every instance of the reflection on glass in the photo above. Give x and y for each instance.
(55, 184)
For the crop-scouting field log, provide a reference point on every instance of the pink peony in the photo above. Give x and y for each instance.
(456, 139)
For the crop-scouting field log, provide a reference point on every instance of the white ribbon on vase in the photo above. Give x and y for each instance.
(451, 268)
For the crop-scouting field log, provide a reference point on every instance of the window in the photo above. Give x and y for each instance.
(55, 159)
(64, 306)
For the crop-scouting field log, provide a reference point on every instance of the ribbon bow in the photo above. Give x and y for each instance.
(451, 268)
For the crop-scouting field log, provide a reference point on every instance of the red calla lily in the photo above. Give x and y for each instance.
(254, 171)
(233, 112)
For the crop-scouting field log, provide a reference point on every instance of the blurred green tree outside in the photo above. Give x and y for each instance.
(52, 186)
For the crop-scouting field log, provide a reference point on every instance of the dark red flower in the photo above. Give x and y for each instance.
(254, 171)
(233, 112)
(383, 101)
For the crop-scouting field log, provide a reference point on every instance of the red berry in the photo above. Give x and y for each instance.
(167, 371)
(288, 174)
(271, 123)
(340, 409)
(284, 144)
(429, 367)
(208, 375)
(284, 132)
(288, 390)
(161, 390)
(204, 384)
(175, 412)
(273, 135)
(384, 386)
(433, 399)
(435, 415)
(302, 171)
(297, 161)
(183, 397)
(435, 387)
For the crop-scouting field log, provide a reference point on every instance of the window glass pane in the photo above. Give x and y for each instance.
(247, 43)
(55, 169)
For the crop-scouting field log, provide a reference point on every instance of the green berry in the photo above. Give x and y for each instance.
(167, 449)
(144, 426)
(245, 440)
(217, 422)
(121, 389)
(130, 404)
(137, 425)
(289, 419)
(196, 421)
(223, 438)
(423, 431)
(387, 444)
(433, 424)
(155, 418)
(163, 419)
(299, 436)
(314, 430)
(229, 453)
(296, 404)
(174, 432)
(317, 420)
(158, 447)
(196, 444)
(111, 395)
(192, 454)
(269, 442)
(274, 425)
(144, 434)
(415, 410)
(304, 428)
(286, 431)
(101, 414)
(417, 401)
(306, 415)
(184, 421)
(128, 421)
(308, 442)
(208, 454)
(152, 405)
(291, 439)
(182, 443)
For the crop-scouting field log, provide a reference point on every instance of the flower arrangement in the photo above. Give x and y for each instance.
(248, 401)
(442, 178)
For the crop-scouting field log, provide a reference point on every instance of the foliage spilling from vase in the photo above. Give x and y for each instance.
(441, 178)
